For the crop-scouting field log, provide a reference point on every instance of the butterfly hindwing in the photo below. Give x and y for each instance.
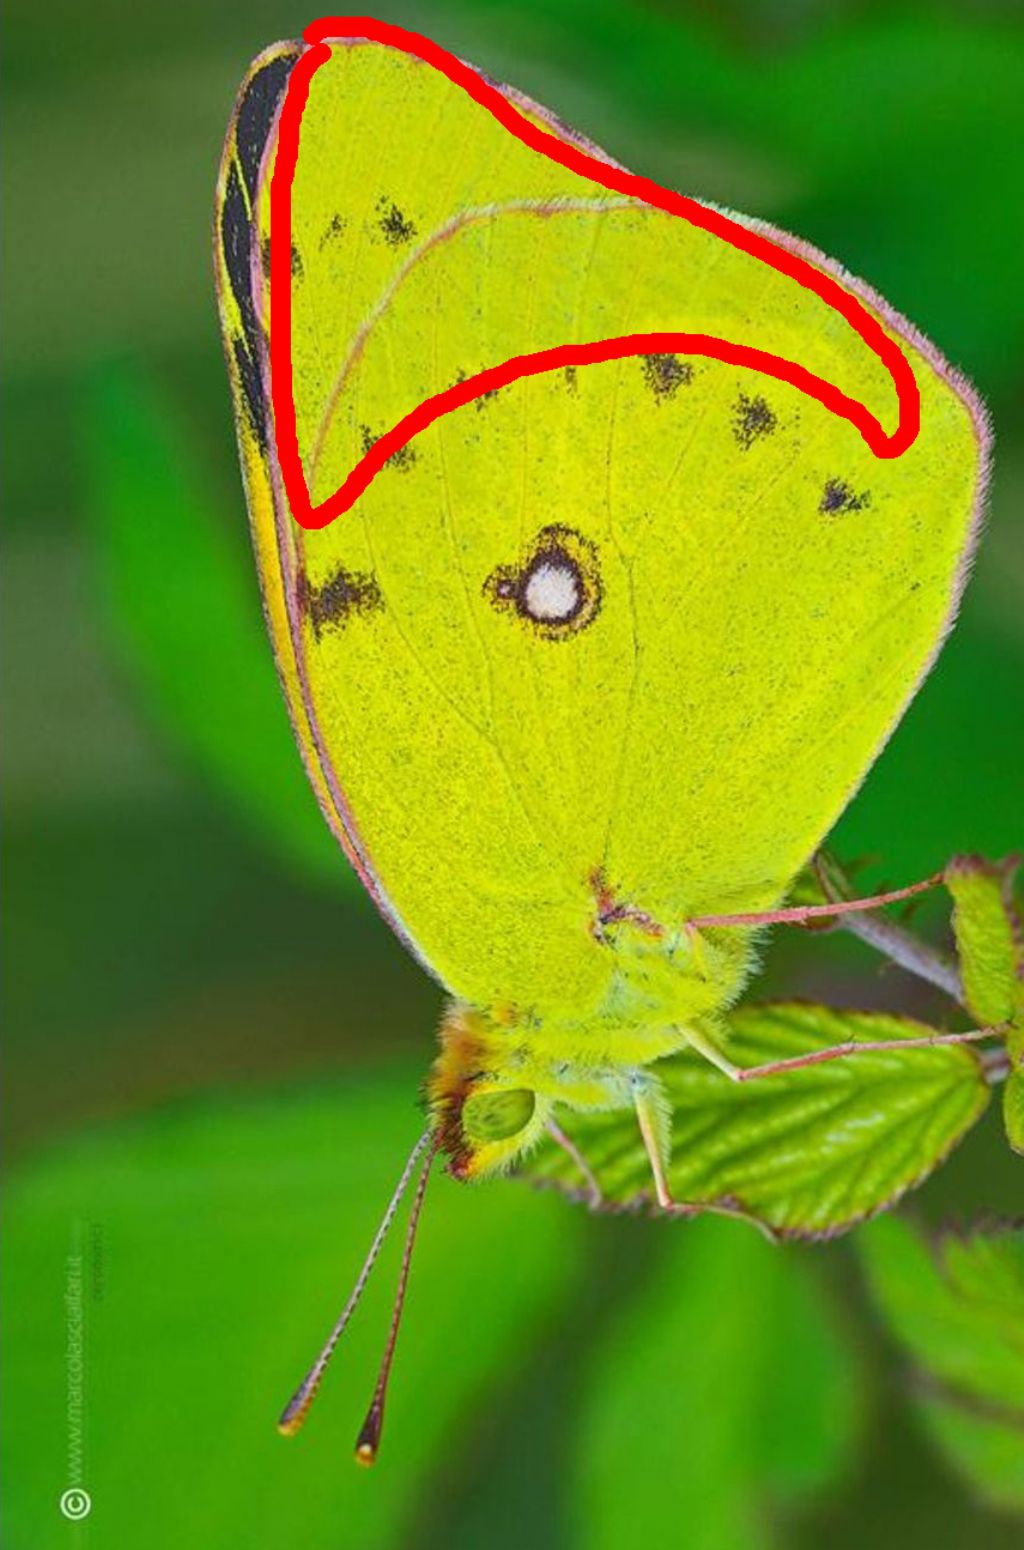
(648, 621)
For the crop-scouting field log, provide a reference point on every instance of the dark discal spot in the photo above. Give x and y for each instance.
(839, 496)
(334, 229)
(665, 374)
(555, 589)
(256, 115)
(403, 459)
(393, 223)
(752, 418)
(570, 379)
(296, 263)
(331, 605)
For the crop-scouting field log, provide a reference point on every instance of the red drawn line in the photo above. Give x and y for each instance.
(618, 181)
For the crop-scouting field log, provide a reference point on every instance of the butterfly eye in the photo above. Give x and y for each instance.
(497, 1115)
(556, 588)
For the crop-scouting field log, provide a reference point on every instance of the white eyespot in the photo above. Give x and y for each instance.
(552, 593)
(556, 589)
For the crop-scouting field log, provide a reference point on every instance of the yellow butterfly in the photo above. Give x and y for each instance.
(597, 660)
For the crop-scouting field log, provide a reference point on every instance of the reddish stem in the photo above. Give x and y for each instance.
(858, 1047)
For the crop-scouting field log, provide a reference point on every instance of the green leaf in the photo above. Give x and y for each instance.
(989, 945)
(183, 602)
(727, 1378)
(1013, 1108)
(807, 1153)
(957, 1306)
(219, 1242)
(987, 937)
(986, 1449)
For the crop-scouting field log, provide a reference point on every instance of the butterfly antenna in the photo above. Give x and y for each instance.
(368, 1441)
(297, 1408)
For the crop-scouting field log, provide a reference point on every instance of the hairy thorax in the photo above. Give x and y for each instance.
(502, 1071)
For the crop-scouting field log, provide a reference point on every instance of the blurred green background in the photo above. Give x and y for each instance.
(214, 1045)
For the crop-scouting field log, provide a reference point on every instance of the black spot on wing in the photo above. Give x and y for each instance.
(665, 374)
(481, 399)
(332, 231)
(570, 379)
(838, 496)
(256, 114)
(295, 262)
(331, 605)
(394, 225)
(403, 459)
(751, 420)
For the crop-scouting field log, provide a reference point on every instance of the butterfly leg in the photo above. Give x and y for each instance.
(711, 1052)
(653, 1120)
(570, 1148)
(862, 1047)
(803, 914)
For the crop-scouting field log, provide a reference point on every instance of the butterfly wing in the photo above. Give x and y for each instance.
(649, 620)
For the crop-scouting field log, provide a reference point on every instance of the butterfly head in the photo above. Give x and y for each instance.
(483, 1094)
